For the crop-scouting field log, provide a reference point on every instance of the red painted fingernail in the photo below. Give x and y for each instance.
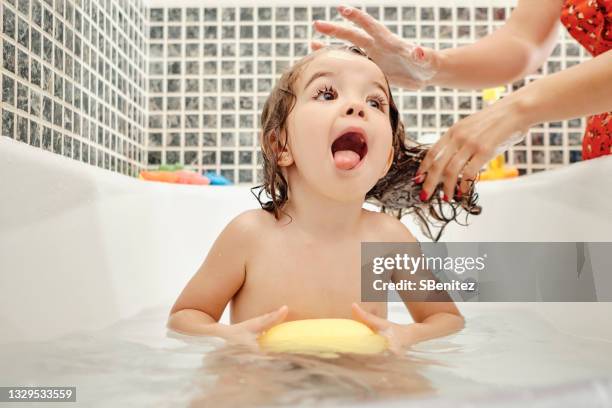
(459, 193)
(419, 53)
(445, 198)
(423, 196)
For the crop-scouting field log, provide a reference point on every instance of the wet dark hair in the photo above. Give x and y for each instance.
(395, 193)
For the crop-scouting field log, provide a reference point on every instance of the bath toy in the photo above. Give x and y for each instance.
(217, 179)
(323, 337)
(497, 170)
(170, 167)
(178, 177)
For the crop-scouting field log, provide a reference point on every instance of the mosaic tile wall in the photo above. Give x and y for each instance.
(210, 70)
(73, 79)
(126, 86)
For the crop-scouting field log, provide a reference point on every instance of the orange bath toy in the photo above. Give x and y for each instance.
(177, 177)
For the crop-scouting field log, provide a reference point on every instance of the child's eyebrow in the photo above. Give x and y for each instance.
(327, 73)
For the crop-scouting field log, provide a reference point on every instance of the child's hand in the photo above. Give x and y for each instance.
(246, 332)
(397, 335)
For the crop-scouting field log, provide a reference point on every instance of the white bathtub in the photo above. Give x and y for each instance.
(82, 248)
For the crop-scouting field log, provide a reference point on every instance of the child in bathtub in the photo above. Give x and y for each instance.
(331, 137)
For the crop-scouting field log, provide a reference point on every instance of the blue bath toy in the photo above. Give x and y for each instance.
(217, 179)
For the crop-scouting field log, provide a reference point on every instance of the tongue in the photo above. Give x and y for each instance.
(346, 159)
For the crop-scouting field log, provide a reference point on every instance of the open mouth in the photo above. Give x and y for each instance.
(349, 150)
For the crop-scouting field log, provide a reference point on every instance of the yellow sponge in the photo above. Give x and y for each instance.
(324, 337)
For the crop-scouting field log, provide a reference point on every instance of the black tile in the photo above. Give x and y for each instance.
(47, 140)
(8, 23)
(67, 146)
(8, 123)
(8, 90)
(8, 56)
(47, 110)
(23, 65)
(22, 129)
(35, 72)
(48, 21)
(37, 12)
(154, 158)
(57, 142)
(22, 97)
(24, 7)
(35, 43)
(34, 133)
(23, 33)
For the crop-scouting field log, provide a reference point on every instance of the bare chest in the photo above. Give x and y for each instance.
(314, 279)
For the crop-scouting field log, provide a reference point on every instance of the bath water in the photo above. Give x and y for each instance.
(136, 362)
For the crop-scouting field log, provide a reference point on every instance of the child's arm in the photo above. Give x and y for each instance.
(431, 319)
(200, 305)
(438, 323)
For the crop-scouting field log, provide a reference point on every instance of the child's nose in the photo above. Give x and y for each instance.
(355, 109)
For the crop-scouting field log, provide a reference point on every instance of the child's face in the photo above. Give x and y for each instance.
(351, 98)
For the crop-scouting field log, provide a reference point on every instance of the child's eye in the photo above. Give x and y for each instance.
(380, 101)
(326, 91)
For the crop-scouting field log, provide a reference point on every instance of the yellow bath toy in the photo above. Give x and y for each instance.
(496, 169)
(322, 337)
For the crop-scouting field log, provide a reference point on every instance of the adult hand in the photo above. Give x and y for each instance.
(469, 144)
(405, 64)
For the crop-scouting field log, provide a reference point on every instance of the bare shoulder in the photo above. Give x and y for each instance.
(250, 222)
(243, 232)
(388, 227)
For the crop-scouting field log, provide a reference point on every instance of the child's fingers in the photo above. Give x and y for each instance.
(393, 345)
(374, 322)
(278, 316)
(381, 326)
(263, 323)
